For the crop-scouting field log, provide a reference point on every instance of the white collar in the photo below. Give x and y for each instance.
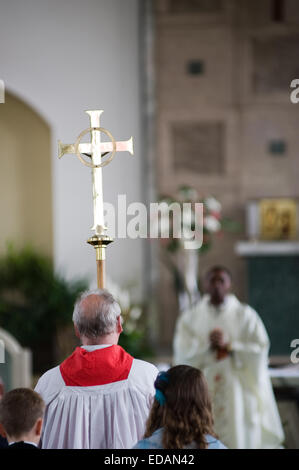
(230, 300)
(94, 347)
(25, 442)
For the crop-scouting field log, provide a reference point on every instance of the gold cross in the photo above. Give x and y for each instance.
(96, 150)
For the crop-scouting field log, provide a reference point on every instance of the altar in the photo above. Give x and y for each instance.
(273, 290)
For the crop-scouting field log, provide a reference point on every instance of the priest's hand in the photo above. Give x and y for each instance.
(218, 344)
(217, 339)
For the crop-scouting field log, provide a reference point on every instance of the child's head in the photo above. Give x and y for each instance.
(21, 415)
(182, 407)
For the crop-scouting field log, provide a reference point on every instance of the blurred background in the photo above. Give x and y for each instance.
(204, 87)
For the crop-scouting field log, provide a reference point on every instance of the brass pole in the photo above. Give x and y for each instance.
(101, 274)
(99, 242)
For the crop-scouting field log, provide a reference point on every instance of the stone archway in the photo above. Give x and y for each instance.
(25, 177)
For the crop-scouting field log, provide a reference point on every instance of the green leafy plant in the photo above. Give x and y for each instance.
(35, 302)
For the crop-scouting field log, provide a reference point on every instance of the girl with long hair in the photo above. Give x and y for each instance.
(181, 414)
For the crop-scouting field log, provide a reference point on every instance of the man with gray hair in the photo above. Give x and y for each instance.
(100, 396)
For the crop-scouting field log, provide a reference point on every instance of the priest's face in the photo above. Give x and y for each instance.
(218, 284)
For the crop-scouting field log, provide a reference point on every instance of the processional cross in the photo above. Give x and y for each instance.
(96, 150)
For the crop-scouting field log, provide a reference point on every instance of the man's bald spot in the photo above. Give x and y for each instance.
(90, 304)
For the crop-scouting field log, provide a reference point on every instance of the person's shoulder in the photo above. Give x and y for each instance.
(50, 383)
(146, 443)
(144, 368)
(143, 375)
(214, 443)
(241, 308)
(49, 375)
(3, 442)
(152, 442)
(145, 365)
(195, 310)
(248, 312)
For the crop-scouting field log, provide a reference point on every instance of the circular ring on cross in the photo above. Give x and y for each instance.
(78, 153)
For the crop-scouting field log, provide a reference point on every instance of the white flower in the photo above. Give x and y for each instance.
(124, 299)
(212, 204)
(188, 217)
(189, 193)
(121, 296)
(135, 313)
(211, 223)
(129, 326)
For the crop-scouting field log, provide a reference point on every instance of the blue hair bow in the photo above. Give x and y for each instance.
(159, 396)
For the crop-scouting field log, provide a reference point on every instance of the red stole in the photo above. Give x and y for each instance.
(102, 366)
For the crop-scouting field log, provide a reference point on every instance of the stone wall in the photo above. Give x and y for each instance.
(223, 73)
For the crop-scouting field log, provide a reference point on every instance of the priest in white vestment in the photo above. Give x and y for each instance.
(100, 396)
(228, 341)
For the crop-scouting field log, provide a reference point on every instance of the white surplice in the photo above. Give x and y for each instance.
(245, 411)
(107, 416)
